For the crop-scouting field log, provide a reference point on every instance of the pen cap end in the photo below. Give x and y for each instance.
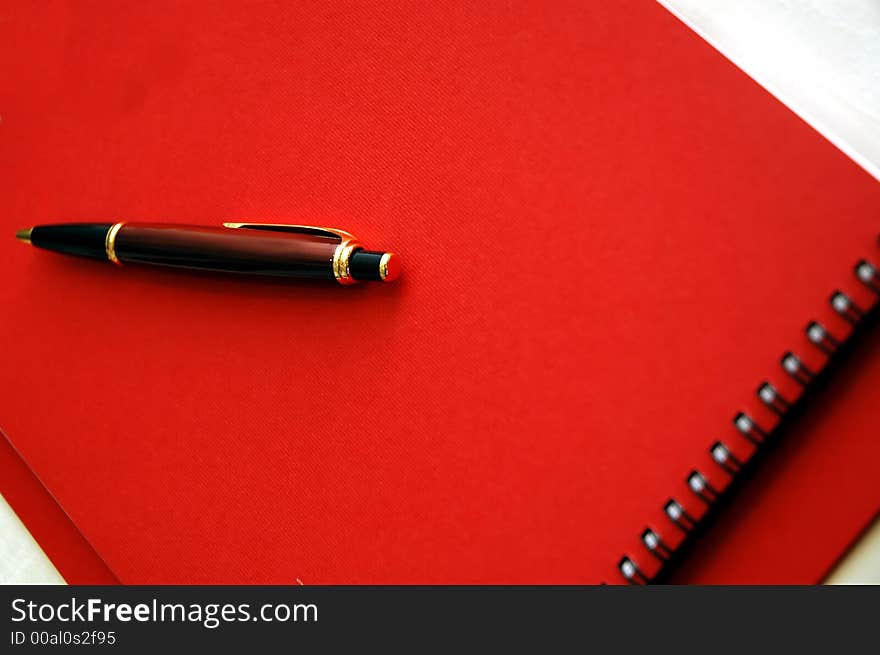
(371, 265)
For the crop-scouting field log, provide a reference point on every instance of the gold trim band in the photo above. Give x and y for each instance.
(389, 267)
(110, 243)
(341, 257)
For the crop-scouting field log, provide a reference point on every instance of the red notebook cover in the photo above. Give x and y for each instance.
(50, 527)
(813, 495)
(609, 235)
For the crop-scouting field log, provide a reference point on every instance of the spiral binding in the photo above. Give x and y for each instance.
(868, 274)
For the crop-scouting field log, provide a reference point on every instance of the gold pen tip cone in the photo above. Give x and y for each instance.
(24, 235)
(389, 267)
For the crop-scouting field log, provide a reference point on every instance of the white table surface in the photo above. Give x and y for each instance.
(820, 57)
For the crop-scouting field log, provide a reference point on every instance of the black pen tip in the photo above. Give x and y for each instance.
(24, 235)
(372, 265)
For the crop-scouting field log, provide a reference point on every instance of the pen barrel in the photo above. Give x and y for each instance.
(221, 249)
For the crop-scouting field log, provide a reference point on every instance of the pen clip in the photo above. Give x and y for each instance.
(339, 235)
(348, 243)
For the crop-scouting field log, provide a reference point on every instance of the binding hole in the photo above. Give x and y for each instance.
(846, 308)
(821, 338)
(722, 456)
(701, 487)
(771, 397)
(866, 272)
(799, 371)
(655, 545)
(749, 429)
(631, 572)
(679, 516)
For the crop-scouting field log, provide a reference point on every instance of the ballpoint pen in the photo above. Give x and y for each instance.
(271, 249)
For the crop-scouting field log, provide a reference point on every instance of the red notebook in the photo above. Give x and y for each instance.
(811, 498)
(52, 529)
(609, 235)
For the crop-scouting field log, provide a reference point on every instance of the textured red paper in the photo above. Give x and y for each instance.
(609, 236)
